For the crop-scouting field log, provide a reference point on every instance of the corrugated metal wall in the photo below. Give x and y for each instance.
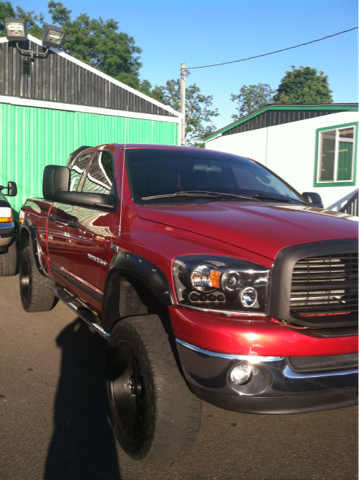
(31, 138)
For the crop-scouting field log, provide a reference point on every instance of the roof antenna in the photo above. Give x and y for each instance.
(122, 176)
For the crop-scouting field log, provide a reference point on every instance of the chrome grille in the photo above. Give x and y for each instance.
(325, 286)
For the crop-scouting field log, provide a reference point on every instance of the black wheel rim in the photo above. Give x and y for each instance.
(24, 279)
(128, 391)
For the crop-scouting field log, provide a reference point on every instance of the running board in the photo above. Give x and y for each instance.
(85, 313)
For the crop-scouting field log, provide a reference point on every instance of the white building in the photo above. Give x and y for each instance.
(312, 147)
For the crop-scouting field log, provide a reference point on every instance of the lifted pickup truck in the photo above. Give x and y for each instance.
(211, 278)
(8, 249)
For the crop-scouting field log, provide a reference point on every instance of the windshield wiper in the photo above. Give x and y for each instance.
(206, 194)
(191, 193)
(200, 194)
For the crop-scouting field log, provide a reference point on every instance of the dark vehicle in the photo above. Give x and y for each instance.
(8, 249)
(211, 278)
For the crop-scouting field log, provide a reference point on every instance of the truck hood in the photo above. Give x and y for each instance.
(263, 228)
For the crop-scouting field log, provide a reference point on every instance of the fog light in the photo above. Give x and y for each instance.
(240, 374)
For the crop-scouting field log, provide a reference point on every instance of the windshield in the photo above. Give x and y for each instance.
(177, 176)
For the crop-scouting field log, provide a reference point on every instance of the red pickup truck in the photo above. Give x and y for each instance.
(211, 278)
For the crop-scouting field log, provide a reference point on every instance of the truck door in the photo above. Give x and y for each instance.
(91, 230)
(59, 218)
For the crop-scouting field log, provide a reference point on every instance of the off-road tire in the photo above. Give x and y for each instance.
(8, 261)
(36, 290)
(161, 417)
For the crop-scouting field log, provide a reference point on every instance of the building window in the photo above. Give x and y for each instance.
(336, 155)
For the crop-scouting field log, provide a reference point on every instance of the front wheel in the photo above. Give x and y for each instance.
(36, 290)
(154, 414)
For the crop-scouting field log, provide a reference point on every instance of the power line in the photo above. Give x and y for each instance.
(272, 53)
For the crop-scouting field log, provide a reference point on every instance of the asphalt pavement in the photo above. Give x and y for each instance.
(54, 421)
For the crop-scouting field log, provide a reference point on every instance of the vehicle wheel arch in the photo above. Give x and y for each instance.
(28, 237)
(134, 287)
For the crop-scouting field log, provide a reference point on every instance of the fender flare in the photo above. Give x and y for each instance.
(32, 233)
(147, 272)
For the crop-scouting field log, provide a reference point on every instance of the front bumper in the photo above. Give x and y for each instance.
(274, 387)
(7, 234)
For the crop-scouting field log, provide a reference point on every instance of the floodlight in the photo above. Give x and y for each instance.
(52, 36)
(15, 29)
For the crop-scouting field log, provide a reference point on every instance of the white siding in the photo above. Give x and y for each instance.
(289, 150)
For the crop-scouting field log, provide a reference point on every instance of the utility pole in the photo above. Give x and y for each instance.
(183, 102)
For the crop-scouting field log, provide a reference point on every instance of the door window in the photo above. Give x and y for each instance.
(100, 176)
(77, 170)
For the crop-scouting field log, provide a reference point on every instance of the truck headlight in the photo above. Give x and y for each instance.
(224, 284)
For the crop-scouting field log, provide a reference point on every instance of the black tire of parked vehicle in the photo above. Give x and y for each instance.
(8, 261)
(153, 412)
(36, 290)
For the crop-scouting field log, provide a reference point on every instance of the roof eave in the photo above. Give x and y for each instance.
(103, 75)
(320, 106)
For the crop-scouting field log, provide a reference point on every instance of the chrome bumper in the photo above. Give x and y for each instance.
(273, 387)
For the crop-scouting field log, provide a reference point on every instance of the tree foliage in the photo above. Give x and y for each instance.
(199, 112)
(98, 43)
(252, 98)
(303, 85)
(34, 23)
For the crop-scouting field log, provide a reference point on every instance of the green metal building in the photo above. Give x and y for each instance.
(51, 106)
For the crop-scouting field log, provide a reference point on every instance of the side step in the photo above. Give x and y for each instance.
(85, 313)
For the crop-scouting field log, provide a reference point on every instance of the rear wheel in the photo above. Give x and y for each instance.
(36, 290)
(8, 261)
(154, 414)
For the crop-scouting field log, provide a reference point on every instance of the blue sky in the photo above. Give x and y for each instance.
(201, 32)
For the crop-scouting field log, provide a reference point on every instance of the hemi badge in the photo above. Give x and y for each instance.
(114, 248)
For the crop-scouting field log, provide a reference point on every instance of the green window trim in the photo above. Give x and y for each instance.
(335, 183)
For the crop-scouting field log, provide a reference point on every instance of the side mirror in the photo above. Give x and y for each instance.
(314, 199)
(55, 179)
(11, 189)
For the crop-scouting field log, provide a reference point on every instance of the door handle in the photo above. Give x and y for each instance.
(52, 217)
(73, 223)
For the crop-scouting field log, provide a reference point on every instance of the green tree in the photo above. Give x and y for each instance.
(199, 114)
(34, 23)
(252, 98)
(303, 85)
(100, 44)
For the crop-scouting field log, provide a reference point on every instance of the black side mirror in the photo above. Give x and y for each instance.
(11, 189)
(314, 199)
(55, 179)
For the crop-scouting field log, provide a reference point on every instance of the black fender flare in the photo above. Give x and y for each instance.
(32, 233)
(147, 272)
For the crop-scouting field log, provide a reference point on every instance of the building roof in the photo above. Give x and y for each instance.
(65, 80)
(271, 115)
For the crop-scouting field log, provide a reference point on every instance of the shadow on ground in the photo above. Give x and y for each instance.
(82, 446)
